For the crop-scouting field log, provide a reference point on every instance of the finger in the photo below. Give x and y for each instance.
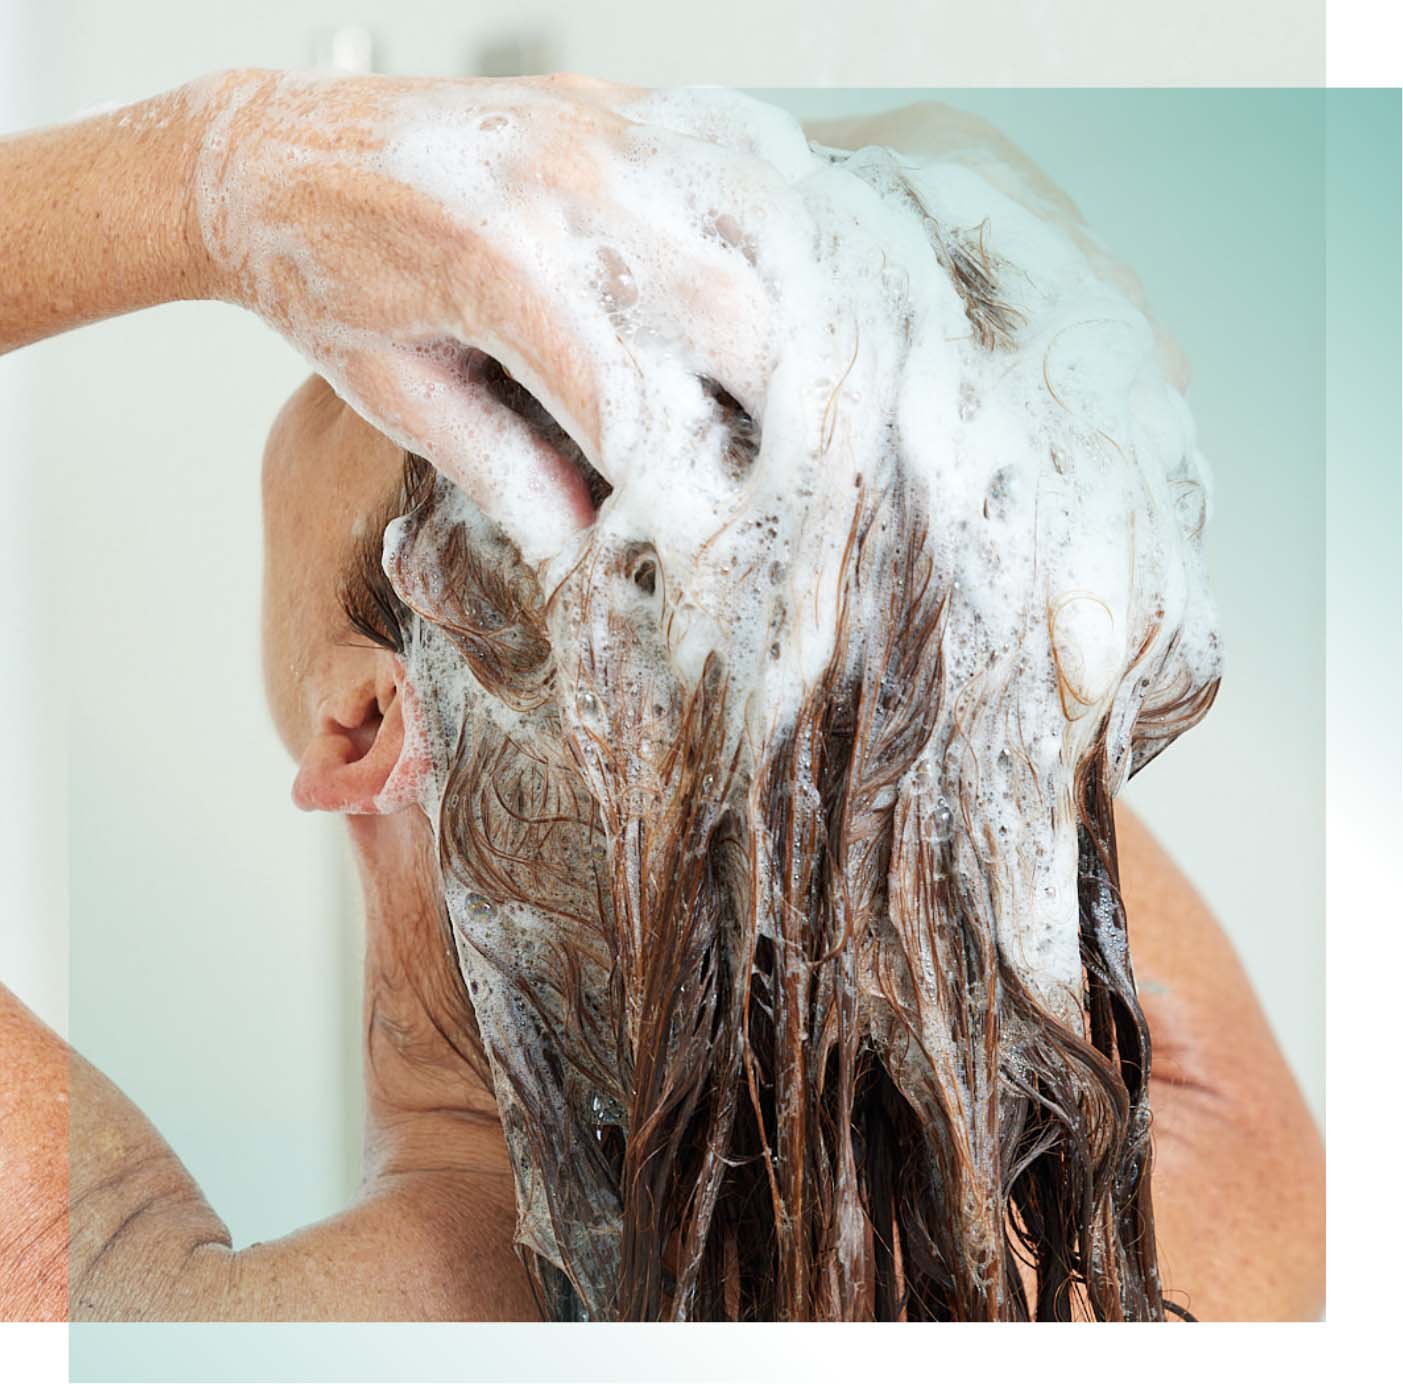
(427, 401)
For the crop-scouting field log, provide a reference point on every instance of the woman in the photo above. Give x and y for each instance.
(784, 1059)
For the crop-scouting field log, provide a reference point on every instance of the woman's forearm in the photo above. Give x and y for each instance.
(95, 217)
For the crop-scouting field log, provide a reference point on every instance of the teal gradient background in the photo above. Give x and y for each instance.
(1222, 201)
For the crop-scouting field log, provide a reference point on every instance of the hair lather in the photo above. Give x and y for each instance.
(780, 857)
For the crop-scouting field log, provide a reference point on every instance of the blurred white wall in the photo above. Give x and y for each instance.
(121, 49)
(214, 941)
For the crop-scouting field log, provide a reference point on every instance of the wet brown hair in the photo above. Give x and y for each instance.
(815, 1088)
(759, 1048)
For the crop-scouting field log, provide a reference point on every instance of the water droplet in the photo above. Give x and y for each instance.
(605, 1111)
(617, 290)
(942, 822)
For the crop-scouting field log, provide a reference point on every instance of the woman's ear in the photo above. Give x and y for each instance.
(361, 759)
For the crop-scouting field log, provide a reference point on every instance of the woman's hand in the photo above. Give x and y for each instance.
(400, 231)
(396, 230)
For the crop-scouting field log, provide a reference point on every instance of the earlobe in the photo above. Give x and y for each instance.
(362, 768)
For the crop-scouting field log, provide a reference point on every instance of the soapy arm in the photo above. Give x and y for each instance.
(267, 191)
(393, 230)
